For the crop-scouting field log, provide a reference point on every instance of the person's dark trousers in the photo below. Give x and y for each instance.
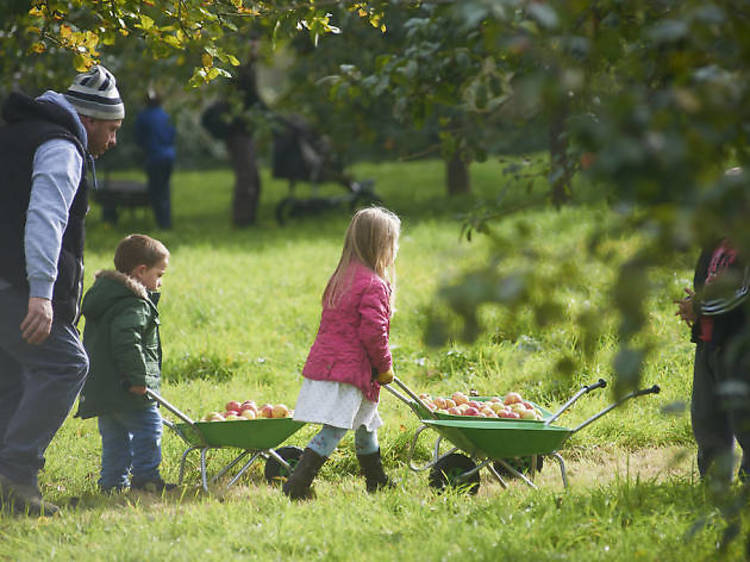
(719, 410)
(38, 385)
(159, 174)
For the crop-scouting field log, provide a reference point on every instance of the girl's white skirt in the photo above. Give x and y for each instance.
(337, 404)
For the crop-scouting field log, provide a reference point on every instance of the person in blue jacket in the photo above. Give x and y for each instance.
(155, 134)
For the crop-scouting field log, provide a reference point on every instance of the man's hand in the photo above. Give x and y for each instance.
(37, 325)
(139, 390)
(685, 308)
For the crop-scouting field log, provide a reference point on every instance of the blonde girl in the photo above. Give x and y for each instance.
(350, 357)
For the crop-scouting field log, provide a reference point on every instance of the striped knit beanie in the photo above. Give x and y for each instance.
(94, 93)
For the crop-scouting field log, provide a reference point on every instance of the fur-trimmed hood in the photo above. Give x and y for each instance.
(130, 282)
(111, 287)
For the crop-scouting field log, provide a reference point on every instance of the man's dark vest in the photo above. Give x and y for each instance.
(29, 123)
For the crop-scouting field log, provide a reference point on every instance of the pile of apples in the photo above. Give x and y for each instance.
(510, 406)
(247, 410)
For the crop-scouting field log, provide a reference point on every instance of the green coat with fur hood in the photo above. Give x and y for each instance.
(121, 338)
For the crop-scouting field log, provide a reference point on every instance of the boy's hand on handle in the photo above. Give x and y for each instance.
(139, 390)
(386, 377)
(685, 308)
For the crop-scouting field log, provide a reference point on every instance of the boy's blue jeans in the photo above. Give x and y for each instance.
(131, 441)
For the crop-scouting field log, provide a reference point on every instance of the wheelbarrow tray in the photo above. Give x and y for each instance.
(501, 439)
(259, 434)
(426, 414)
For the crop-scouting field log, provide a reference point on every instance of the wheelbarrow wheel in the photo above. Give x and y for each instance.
(286, 209)
(275, 472)
(521, 464)
(449, 471)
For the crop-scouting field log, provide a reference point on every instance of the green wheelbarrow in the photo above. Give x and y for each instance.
(256, 439)
(493, 443)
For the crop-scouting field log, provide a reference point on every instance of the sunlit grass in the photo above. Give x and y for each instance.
(239, 311)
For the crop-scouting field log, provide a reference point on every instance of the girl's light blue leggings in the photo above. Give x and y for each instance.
(326, 440)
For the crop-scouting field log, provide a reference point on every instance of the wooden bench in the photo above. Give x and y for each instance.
(118, 194)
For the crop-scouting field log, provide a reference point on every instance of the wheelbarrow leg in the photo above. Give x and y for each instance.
(182, 464)
(515, 473)
(228, 467)
(244, 467)
(563, 474)
(204, 480)
(497, 476)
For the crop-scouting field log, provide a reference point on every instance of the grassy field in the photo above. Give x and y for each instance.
(239, 312)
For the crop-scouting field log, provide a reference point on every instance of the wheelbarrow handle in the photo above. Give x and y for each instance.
(156, 397)
(411, 395)
(653, 390)
(601, 383)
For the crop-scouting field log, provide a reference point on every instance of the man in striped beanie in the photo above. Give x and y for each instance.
(46, 149)
(94, 96)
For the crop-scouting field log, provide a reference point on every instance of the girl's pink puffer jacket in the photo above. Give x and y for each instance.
(353, 337)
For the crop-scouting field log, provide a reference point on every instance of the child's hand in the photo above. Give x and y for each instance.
(387, 377)
(139, 390)
(685, 308)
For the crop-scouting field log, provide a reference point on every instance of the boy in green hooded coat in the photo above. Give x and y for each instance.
(121, 337)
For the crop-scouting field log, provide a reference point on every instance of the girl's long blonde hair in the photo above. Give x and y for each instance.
(372, 239)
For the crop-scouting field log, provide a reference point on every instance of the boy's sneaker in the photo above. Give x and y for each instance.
(153, 486)
(24, 498)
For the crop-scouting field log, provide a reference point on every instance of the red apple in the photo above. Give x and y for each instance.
(512, 398)
(449, 403)
(454, 411)
(266, 410)
(248, 414)
(232, 406)
(471, 411)
(459, 398)
(517, 407)
(439, 402)
(508, 414)
(474, 404)
(279, 411)
(248, 405)
(527, 415)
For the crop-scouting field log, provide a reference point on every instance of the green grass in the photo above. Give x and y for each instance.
(239, 311)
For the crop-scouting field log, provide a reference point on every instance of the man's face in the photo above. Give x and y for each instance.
(102, 134)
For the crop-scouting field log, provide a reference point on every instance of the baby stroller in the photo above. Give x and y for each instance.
(301, 154)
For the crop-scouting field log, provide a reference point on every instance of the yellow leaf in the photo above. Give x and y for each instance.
(65, 31)
(82, 62)
(146, 22)
(38, 47)
(36, 12)
(207, 60)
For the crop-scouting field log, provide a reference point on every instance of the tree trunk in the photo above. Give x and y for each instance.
(558, 156)
(457, 175)
(246, 178)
